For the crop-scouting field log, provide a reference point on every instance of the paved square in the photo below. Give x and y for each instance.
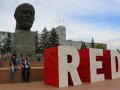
(39, 85)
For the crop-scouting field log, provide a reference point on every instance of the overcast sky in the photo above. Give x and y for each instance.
(83, 19)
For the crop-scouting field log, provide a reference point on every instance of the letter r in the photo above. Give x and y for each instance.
(56, 66)
(65, 67)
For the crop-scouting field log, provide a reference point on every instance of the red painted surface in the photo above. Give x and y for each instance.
(107, 64)
(51, 66)
(84, 66)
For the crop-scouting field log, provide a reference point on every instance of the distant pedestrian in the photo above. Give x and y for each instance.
(25, 68)
(38, 58)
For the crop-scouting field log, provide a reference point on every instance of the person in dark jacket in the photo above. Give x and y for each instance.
(14, 65)
(25, 68)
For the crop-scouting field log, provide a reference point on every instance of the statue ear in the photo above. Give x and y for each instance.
(15, 16)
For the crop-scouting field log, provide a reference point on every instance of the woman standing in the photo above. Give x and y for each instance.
(25, 68)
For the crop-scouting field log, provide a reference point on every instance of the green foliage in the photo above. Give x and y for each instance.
(0, 47)
(100, 47)
(118, 50)
(44, 40)
(53, 38)
(7, 47)
(83, 46)
(47, 40)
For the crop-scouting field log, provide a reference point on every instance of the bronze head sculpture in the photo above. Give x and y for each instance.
(24, 16)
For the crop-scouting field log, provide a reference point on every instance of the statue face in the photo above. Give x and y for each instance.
(25, 17)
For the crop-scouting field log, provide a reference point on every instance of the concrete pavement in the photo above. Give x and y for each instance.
(39, 85)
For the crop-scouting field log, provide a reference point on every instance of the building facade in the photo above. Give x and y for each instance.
(61, 31)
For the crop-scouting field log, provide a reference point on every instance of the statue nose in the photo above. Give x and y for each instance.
(28, 14)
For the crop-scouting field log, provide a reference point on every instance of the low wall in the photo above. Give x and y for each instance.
(32, 64)
(37, 74)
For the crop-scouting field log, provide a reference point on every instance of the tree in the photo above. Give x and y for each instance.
(92, 43)
(0, 47)
(7, 47)
(53, 38)
(44, 40)
(83, 46)
(100, 47)
(118, 50)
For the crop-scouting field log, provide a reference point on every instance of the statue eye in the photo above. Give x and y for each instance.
(31, 13)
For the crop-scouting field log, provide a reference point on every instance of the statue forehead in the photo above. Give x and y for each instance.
(25, 6)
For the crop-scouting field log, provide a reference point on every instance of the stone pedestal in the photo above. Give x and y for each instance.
(24, 41)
